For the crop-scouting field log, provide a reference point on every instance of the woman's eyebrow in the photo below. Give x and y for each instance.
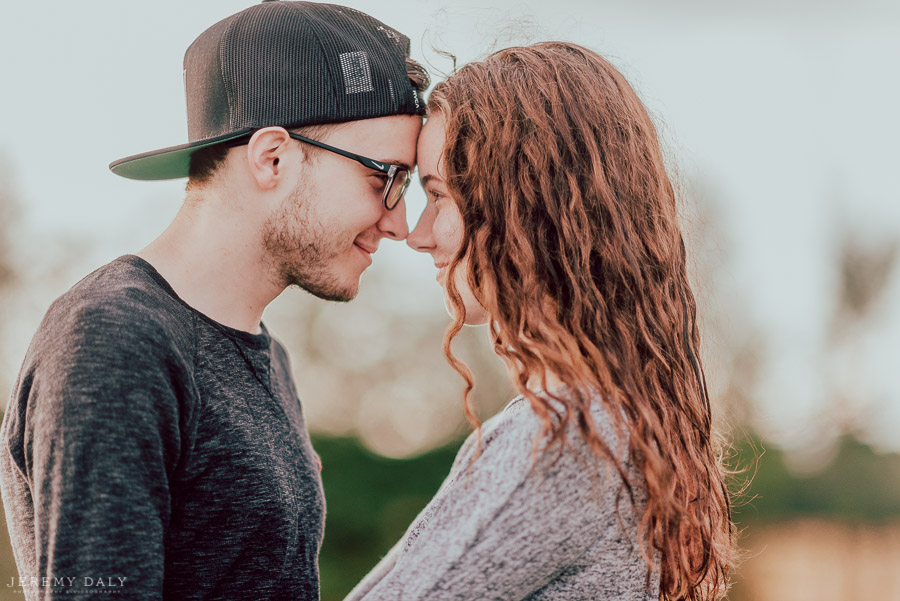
(430, 177)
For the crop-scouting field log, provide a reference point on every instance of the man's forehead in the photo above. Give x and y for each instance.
(387, 139)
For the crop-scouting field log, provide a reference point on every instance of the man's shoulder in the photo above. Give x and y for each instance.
(123, 302)
(113, 336)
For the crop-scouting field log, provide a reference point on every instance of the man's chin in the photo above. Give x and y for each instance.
(330, 291)
(340, 297)
(333, 282)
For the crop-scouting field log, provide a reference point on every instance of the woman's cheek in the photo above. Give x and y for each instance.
(448, 230)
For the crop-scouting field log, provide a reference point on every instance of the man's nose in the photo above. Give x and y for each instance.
(393, 222)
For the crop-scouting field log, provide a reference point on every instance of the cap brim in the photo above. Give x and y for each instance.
(167, 163)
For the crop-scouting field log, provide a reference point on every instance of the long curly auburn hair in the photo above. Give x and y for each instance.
(571, 233)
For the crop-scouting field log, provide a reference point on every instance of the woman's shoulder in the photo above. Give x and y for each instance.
(516, 437)
(523, 417)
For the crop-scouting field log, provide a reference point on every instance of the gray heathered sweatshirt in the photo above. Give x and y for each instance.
(152, 453)
(510, 529)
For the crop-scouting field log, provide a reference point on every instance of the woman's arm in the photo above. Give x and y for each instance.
(506, 527)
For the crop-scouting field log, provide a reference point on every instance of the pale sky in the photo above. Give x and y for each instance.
(785, 115)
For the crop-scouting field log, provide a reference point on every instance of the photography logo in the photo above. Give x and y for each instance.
(70, 585)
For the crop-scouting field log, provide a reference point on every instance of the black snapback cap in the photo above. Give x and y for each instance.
(288, 64)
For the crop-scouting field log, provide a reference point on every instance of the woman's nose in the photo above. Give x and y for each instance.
(422, 238)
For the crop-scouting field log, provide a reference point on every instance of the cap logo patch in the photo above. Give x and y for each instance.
(357, 74)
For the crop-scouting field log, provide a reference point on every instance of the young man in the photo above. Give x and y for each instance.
(154, 445)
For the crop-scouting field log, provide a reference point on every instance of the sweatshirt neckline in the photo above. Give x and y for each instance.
(259, 341)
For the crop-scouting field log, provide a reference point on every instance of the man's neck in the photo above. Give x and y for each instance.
(214, 261)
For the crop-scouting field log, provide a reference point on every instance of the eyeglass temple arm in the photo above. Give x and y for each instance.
(358, 158)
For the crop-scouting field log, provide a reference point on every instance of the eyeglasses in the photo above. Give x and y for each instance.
(397, 176)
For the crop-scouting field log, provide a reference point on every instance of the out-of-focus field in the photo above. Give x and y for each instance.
(820, 560)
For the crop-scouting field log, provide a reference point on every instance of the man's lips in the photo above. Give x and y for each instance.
(365, 250)
(366, 247)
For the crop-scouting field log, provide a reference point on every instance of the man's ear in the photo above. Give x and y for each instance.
(266, 152)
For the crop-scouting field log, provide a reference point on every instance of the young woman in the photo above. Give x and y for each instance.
(552, 219)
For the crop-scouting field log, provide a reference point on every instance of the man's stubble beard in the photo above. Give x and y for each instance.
(299, 248)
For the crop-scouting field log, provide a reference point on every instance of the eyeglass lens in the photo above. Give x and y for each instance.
(396, 189)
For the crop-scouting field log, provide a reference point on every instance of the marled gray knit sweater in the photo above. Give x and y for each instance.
(510, 528)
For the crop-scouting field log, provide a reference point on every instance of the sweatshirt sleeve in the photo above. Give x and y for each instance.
(95, 433)
(507, 525)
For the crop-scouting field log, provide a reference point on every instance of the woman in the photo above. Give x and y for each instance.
(551, 218)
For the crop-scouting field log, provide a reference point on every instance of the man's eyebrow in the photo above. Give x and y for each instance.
(397, 162)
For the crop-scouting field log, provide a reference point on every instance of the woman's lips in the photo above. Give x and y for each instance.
(442, 270)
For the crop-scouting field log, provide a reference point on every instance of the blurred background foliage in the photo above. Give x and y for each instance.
(819, 518)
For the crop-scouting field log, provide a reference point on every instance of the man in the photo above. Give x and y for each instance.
(154, 444)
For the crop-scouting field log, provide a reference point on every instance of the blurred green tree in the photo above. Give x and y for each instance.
(370, 502)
